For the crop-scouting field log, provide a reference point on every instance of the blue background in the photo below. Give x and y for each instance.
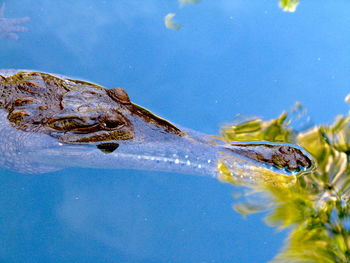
(230, 57)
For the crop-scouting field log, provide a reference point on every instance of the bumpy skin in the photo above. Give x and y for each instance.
(72, 111)
(76, 111)
(280, 156)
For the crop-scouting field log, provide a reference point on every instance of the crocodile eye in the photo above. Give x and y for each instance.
(112, 124)
(66, 124)
(112, 121)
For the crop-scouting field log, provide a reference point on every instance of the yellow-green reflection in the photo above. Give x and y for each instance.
(170, 22)
(289, 5)
(185, 2)
(316, 206)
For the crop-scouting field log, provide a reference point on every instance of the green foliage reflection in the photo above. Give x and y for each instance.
(289, 5)
(170, 22)
(285, 5)
(316, 208)
(185, 2)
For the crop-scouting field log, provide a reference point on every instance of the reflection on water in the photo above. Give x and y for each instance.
(9, 27)
(289, 5)
(170, 23)
(316, 207)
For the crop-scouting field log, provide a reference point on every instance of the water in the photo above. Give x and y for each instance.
(229, 57)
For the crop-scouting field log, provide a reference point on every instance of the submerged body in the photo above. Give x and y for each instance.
(52, 122)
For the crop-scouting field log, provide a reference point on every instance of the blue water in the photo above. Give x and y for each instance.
(230, 57)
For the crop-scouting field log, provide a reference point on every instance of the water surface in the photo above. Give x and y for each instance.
(230, 57)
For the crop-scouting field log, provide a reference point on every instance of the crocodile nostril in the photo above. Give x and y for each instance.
(286, 149)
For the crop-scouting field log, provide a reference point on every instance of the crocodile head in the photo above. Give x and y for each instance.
(74, 111)
(90, 116)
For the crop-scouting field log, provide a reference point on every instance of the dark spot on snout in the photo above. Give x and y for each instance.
(107, 147)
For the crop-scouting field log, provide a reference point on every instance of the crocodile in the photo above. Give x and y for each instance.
(50, 122)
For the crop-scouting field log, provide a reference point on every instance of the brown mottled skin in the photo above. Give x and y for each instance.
(280, 156)
(76, 111)
(72, 111)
